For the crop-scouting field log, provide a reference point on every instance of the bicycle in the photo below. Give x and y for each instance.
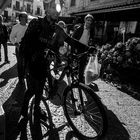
(80, 103)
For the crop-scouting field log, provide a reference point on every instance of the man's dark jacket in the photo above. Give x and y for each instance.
(36, 39)
(33, 46)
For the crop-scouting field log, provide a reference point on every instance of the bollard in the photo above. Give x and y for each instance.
(2, 123)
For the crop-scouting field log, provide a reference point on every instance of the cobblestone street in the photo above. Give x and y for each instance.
(123, 111)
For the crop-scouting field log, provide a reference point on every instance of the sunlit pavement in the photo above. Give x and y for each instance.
(122, 110)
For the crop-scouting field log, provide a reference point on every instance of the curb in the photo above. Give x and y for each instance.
(2, 123)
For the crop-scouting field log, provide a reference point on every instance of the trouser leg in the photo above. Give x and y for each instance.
(5, 51)
(20, 65)
(28, 95)
(82, 65)
(38, 93)
(0, 51)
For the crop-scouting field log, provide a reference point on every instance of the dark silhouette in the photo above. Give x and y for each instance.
(3, 39)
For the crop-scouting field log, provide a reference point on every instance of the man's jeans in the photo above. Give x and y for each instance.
(5, 50)
(20, 65)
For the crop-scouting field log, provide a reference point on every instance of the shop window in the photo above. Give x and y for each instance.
(17, 5)
(38, 11)
(72, 3)
(28, 8)
(9, 5)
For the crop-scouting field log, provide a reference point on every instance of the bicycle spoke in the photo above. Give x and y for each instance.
(88, 122)
(94, 123)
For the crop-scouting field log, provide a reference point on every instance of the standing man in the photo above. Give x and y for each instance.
(85, 35)
(3, 39)
(36, 40)
(16, 35)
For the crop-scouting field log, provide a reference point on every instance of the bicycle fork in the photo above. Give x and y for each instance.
(77, 101)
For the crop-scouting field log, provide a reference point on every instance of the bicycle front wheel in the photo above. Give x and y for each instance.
(84, 111)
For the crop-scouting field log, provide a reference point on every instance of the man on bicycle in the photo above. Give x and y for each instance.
(36, 40)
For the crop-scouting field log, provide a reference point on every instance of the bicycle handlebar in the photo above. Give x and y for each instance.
(91, 50)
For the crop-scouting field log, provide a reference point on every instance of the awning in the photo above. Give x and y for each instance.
(108, 9)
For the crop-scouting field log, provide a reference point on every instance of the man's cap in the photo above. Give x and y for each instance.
(62, 22)
(23, 13)
(89, 16)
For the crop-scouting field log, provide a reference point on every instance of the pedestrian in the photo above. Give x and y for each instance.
(65, 48)
(85, 34)
(16, 35)
(3, 39)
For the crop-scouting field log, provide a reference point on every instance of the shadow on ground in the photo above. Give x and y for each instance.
(12, 111)
(135, 93)
(116, 129)
(18, 130)
(8, 74)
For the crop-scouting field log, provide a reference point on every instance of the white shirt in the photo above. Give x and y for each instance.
(85, 36)
(17, 33)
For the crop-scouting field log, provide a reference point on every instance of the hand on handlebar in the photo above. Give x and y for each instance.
(92, 50)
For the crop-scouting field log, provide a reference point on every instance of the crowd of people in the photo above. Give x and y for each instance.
(3, 40)
(31, 41)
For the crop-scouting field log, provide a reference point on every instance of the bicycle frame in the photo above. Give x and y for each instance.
(69, 69)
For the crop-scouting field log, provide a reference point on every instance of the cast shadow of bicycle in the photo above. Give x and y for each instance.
(20, 130)
(12, 108)
(116, 130)
(16, 130)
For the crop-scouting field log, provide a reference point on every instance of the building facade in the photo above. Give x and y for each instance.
(111, 16)
(32, 7)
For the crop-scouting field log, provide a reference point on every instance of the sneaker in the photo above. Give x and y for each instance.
(94, 87)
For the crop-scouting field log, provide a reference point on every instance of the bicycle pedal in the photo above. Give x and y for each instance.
(74, 100)
(43, 115)
(76, 113)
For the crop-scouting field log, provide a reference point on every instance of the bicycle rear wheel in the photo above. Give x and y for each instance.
(87, 120)
(44, 122)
